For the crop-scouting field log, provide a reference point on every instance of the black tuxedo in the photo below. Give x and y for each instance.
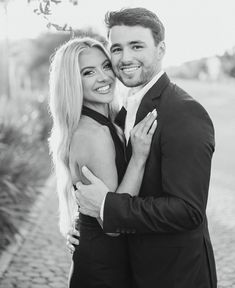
(169, 241)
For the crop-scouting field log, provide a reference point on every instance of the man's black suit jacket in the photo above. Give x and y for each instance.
(169, 241)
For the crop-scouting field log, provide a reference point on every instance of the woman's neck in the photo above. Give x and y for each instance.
(101, 108)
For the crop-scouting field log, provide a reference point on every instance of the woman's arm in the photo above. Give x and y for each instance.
(141, 138)
(94, 148)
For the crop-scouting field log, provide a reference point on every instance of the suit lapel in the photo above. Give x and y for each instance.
(120, 118)
(150, 101)
(151, 98)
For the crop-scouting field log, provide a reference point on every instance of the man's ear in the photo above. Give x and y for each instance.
(161, 50)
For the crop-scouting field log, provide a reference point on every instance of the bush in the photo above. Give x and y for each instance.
(25, 162)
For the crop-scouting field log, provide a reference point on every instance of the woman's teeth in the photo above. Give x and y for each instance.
(104, 88)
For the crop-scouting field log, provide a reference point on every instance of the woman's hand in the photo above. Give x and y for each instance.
(141, 137)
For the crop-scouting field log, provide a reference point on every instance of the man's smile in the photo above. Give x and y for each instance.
(130, 69)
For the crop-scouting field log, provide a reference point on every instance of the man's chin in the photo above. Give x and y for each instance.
(130, 82)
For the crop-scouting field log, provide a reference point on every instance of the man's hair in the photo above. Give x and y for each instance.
(136, 17)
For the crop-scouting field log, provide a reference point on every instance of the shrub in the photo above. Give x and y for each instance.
(25, 163)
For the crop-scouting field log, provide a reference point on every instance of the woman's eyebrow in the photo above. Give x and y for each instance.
(86, 67)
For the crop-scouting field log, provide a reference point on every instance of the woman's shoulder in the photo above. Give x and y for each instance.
(89, 138)
(89, 131)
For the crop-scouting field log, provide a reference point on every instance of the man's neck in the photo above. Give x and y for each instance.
(151, 82)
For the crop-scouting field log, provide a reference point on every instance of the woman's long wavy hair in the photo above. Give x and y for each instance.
(66, 100)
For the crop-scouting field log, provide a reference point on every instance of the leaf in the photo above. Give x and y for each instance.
(41, 8)
(56, 1)
(64, 27)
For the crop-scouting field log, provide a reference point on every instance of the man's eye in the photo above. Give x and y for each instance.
(116, 50)
(137, 47)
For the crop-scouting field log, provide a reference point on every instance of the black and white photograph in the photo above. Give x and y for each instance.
(117, 122)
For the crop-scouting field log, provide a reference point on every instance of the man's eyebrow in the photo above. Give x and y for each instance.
(130, 43)
(114, 45)
(136, 42)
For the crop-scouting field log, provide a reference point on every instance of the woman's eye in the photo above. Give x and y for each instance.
(108, 66)
(87, 73)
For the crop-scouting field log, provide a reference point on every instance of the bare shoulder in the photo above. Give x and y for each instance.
(90, 139)
(92, 146)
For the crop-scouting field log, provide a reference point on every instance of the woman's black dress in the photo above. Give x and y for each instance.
(101, 261)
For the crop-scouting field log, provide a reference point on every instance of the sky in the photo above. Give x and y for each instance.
(194, 28)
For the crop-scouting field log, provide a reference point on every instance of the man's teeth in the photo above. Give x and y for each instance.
(103, 89)
(130, 69)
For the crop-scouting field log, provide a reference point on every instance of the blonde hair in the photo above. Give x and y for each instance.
(66, 100)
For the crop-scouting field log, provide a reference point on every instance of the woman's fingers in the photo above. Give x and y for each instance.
(153, 128)
(149, 122)
(147, 119)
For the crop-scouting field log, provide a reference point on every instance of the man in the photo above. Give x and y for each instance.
(168, 235)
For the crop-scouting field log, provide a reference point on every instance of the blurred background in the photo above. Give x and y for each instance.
(200, 58)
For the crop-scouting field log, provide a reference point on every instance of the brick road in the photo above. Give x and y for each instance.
(42, 260)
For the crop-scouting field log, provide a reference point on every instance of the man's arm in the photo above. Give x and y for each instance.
(187, 148)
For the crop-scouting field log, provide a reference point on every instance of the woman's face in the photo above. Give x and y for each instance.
(97, 76)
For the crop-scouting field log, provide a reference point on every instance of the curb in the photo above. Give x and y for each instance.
(33, 218)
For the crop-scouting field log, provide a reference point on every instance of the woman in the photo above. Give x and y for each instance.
(82, 86)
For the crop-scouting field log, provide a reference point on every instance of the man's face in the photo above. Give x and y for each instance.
(135, 57)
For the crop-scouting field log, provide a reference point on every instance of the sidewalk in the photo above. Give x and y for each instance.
(221, 215)
(42, 260)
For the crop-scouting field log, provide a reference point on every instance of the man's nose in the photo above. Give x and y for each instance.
(126, 55)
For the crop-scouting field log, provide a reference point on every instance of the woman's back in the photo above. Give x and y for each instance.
(96, 145)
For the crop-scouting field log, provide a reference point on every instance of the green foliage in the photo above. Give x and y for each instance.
(25, 163)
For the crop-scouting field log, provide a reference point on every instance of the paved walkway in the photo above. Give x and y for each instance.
(42, 260)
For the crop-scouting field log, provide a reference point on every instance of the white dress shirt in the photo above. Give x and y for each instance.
(134, 97)
(132, 104)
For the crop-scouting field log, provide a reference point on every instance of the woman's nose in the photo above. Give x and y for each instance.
(102, 76)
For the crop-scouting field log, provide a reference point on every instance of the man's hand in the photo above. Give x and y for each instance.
(90, 197)
(72, 239)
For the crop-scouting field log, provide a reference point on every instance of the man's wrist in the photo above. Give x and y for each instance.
(102, 208)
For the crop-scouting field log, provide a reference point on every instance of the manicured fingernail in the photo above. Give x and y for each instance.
(84, 168)
(148, 114)
(154, 112)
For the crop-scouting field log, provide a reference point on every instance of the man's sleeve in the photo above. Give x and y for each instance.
(187, 145)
